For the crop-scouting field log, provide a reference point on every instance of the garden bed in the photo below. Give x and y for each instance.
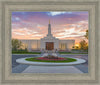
(65, 60)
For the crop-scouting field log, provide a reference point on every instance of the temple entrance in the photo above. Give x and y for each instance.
(49, 45)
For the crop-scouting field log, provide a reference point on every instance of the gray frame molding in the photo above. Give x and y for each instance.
(7, 6)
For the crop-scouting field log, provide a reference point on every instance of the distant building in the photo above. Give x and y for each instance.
(48, 43)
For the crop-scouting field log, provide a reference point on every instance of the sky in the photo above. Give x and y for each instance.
(64, 25)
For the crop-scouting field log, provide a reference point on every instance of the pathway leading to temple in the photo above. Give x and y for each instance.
(51, 69)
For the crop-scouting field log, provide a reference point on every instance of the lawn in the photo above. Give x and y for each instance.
(71, 53)
(19, 52)
(53, 61)
(23, 52)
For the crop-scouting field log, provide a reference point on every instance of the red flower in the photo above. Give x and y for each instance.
(47, 58)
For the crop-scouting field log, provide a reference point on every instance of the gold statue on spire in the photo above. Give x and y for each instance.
(49, 21)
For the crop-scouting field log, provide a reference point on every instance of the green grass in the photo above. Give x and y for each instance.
(55, 61)
(26, 52)
(71, 53)
(23, 52)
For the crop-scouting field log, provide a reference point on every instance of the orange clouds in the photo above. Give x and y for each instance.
(67, 31)
(35, 25)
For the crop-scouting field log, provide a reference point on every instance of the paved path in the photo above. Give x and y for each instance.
(21, 68)
(51, 69)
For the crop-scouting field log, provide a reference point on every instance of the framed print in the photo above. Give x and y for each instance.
(59, 49)
(49, 42)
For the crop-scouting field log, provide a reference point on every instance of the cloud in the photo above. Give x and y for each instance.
(19, 33)
(16, 19)
(34, 25)
(55, 13)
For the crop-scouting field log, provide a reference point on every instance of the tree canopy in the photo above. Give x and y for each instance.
(86, 35)
(83, 45)
(16, 44)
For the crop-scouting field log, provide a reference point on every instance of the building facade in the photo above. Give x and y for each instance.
(48, 43)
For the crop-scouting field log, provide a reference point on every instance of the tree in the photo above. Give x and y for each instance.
(86, 35)
(83, 45)
(26, 50)
(16, 44)
(75, 47)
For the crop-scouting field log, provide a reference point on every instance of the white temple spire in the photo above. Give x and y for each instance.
(49, 29)
(49, 21)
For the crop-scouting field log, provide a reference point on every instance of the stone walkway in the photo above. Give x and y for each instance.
(51, 69)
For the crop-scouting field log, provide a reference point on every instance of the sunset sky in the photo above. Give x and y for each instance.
(64, 25)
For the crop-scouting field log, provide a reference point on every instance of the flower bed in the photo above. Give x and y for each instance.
(51, 58)
(58, 60)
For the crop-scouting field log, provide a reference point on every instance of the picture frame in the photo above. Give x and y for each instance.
(7, 6)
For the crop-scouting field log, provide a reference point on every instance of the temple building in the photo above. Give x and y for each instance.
(48, 43)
